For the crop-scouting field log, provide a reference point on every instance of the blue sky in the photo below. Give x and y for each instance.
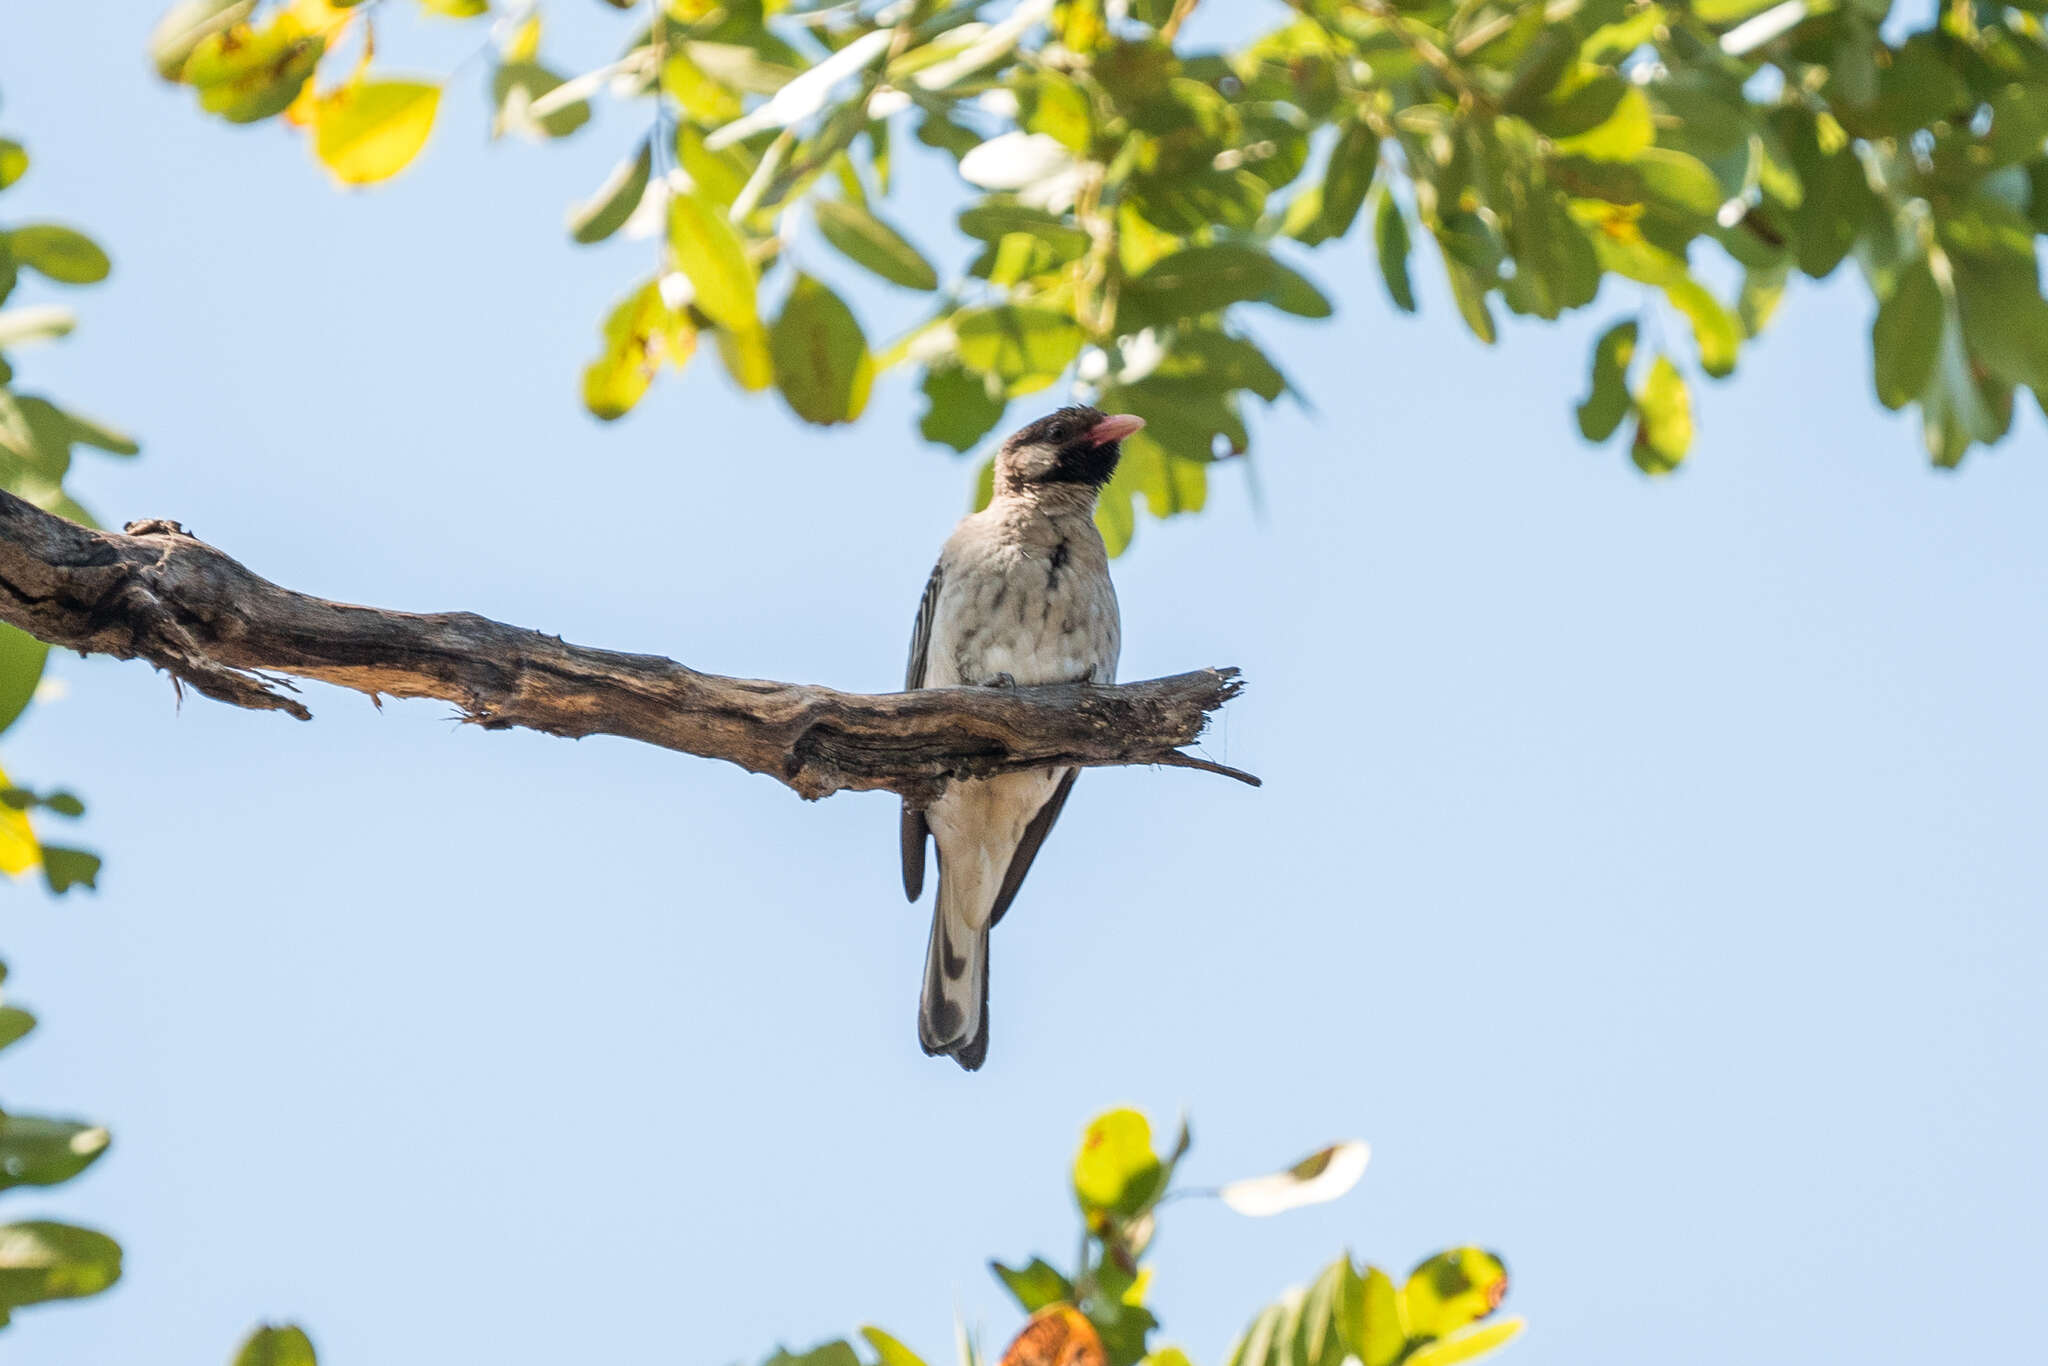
(1652, 872)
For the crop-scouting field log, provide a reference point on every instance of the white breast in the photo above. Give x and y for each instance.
(1016, 611)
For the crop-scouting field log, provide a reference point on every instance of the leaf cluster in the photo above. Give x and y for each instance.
(1135, 200)
(38, 438)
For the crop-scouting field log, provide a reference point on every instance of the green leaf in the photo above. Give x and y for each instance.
(65, 255)
(2005, 320)
(605, 212)
(867, 241)
(516, 86)
(1369, 1317)
(1664, 420)
(822, 365)
(1838, 205)
(996, 218)
(706, 100)
(1170, 483)
(22, 657)
(1625, 134)
(746, 356)
(1321, 1337)
(1719, 12)
(741, 67)
(1604, 407)
(370, 131)
(1224, 362)
(1681, 181)
(44, 1261)
(1203, 279)
(710, 251)
(1184, 415)
(1027, 345)
(888, 1349)
(1116, 1172)
(1265, 1342)
(1556, 266)
(1955, 411)
(959, 410)
(1390, 235)
(1906, 338)
(456, 9)
(184, 25)
(1762, 291)
(1468, 291)
(1466, 1345)
(87, 432)
(247, 75)
(64, 868)
(1916, 87)
(277, 1345)
(1034, 1285)
(837, 1352)
(1353, 162)
(719, 175)
(1714, 328)
(1058, 107)
(13, 162)
(1583, 100)
(46, 1152)
(15, 1023)
(2037, 195)
(1463, 1285)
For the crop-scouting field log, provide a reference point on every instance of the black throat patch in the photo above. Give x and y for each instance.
(1081, 462)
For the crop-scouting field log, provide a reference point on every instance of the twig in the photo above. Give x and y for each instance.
(155, 592)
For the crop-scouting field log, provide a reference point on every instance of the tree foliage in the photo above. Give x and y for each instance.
(1096, 1314)
(1137, 199)
(37, 441)
(42, 1261)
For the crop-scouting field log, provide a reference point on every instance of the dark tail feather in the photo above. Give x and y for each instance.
(952, 1015)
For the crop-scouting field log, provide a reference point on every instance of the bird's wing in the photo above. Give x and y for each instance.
(914, 828)
(1027, 848)
(921, 633)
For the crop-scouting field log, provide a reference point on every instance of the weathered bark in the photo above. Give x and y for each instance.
(157, 593)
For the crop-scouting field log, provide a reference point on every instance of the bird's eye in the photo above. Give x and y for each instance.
(1059, 431)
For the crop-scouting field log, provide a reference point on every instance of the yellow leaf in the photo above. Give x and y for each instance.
(1466, 1345)
(712, 253)
(1623, 136)
(322, 16)
(747, 357)
(1664, 420)
(19, 850)
(371, 130)
(524, 45)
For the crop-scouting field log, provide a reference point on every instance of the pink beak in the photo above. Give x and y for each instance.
(1114, 428)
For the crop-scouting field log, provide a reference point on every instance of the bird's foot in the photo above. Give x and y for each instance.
(1001, 681)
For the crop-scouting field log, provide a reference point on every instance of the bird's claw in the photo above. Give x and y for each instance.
(1001, 681)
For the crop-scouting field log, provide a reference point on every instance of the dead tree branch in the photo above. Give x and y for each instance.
(157, 593)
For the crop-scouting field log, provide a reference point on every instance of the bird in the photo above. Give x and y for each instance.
(1021, 595)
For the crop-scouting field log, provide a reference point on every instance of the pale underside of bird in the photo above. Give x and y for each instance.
(1021, 595)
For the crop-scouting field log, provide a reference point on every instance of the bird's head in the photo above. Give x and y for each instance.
(1072, 446)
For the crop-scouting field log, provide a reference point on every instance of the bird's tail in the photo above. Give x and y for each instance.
(952, 1017)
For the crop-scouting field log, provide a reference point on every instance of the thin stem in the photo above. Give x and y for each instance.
(1430, 55)
(1181, 10)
